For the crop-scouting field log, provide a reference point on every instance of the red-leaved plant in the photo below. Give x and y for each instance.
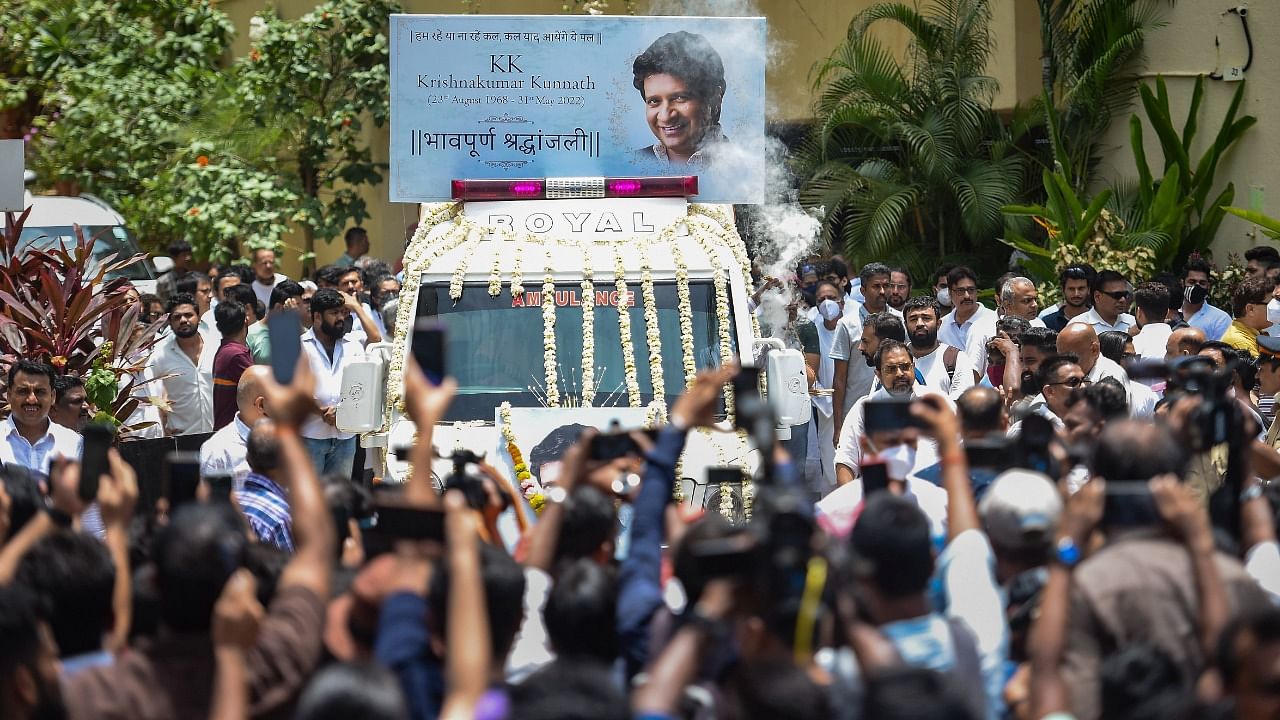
(60, 307)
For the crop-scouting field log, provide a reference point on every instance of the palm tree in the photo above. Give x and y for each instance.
(907, 156)
(1091, 53)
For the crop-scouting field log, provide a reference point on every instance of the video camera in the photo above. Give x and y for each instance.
(472, 486)
(772, 553)
(1029, 449)
(1216, 418)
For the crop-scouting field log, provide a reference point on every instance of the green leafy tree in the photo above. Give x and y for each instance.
(116, 79)
(907, 156)
(1092, 53)
(315, 82)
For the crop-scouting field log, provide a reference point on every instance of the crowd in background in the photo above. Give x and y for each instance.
(1078, 521)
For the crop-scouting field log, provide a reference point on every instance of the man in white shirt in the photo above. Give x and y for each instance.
(822, 433)
(1058, 377)
(1111, 298)
(1080, 340)
(360, 323)
(1018, 297)
(1152, 302)
(265, 276)
(185, 364)
(1197, 281)
(854, 354)
(226, 452)
(939, 367)
(230, 276)
(896, 371)
(971, 324)
(28, 437)
(329, 351)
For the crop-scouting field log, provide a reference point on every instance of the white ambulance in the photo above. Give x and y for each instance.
(571, 304)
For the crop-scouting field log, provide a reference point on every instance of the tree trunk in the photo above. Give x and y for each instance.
(311, 185)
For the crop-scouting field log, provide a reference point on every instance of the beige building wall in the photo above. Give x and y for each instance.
(801, 33)
(1180, 51)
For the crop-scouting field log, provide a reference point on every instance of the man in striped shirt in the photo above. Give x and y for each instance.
(262, 500)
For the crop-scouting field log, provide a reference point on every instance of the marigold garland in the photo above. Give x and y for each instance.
(529, 487)
(624, 329)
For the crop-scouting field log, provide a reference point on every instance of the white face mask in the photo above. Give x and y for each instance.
(899, 461)
(1273, 311)
(944, 297)
(829, 309)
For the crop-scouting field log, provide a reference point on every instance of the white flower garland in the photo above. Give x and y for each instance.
(652, 336)
(624, 329)
(419, 255)
(723, 318)
(495, 276)
(685, 311)
(748, 485)
(460, 272)
(549, 336)
(726, 340)
(517, 270)
(588, 327)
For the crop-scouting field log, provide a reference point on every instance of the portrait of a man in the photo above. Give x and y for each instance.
(680, 78)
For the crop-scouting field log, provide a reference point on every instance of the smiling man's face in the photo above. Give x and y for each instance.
(675, 113)
(31, 397)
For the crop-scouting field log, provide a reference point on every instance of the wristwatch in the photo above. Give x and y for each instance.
(1066, 553)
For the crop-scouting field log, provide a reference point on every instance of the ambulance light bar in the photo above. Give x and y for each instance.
(575, 187)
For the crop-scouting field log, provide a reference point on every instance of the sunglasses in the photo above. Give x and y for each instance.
(1118, 294)
(1071, 382)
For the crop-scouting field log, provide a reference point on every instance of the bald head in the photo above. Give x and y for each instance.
(1079, 339)
(982, 412)
(249, 397)
(1184, 341)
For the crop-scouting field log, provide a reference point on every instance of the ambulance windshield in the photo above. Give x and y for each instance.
(495, 343)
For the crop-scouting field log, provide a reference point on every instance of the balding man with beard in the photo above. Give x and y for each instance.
(226, 451)
(1081, 340)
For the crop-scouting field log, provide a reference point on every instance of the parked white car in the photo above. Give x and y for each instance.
(52, 220)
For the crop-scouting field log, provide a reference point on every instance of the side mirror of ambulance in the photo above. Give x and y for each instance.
(361, 406)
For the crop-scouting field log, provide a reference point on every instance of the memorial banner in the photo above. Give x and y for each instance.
(494, 96)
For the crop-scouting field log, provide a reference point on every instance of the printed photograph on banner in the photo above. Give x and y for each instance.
(491, 97)
(543, 435)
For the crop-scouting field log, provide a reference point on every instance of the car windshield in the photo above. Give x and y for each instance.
(107, 240)
(495, 344)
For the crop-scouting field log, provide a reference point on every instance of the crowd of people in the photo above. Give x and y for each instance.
(1076, 521)
(217, 330)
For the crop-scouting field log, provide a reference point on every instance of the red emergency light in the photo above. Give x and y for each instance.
(576, 187)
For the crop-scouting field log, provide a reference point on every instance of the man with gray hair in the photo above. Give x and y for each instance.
(1018, 298)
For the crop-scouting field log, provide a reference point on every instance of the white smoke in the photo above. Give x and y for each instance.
(781, 232)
